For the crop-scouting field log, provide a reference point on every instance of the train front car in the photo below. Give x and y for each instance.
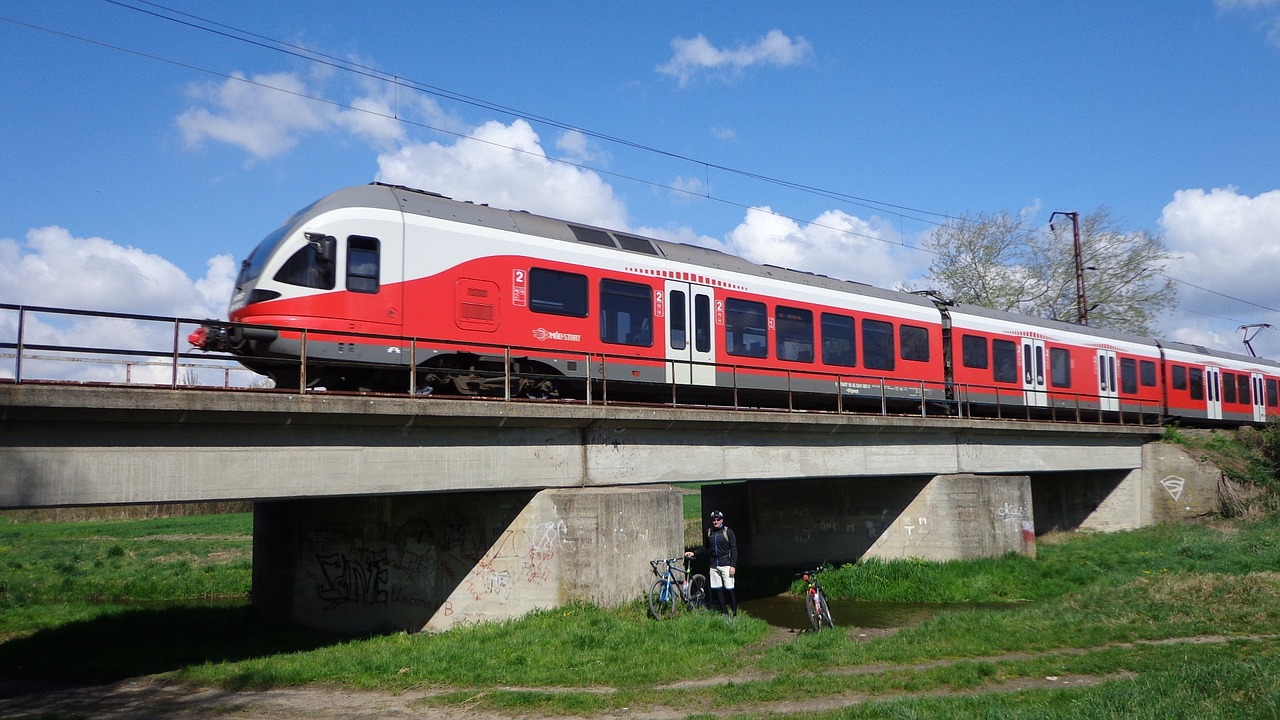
(326, 287)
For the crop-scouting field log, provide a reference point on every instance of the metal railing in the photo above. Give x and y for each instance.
(40, 346)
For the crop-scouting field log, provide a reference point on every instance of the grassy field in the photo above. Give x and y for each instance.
(1169, 621)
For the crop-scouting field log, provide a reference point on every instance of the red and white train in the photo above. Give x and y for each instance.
(370, 281)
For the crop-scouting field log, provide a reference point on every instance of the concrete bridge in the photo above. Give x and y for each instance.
(419, 514)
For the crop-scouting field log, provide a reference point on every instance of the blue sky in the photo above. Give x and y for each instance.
(148, 147)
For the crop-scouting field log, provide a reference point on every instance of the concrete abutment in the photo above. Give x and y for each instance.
(432, 561)
(429, 562)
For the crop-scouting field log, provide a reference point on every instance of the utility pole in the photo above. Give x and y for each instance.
(1082, 304)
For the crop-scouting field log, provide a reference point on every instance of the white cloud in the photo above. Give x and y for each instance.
(1243, 4)
(696, 56)
(835, 244)
(1225, 241)
(53, 268)
(268, 115)
(265, 115)
(505, 166)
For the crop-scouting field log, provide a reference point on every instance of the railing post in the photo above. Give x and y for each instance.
(302, 365)
(413, 367)
(506, 373)
(922, 401)
(604, 380)
(589, 378)
(173, 384)
(839, 396)
(17, 361)
(884, 398)
(791, 406)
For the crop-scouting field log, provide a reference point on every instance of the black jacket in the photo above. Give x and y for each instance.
(721, 546)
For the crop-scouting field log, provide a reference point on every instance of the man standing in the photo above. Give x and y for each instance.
(722, 547)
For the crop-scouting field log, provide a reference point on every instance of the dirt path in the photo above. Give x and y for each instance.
(159, 698)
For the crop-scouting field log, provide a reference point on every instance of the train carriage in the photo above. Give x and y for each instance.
(1003, 358)
(386, 288)
(1205, 384)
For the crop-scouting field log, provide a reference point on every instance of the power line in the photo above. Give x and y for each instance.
(240, 35)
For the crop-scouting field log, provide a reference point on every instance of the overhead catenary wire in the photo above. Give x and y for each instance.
(397, 81)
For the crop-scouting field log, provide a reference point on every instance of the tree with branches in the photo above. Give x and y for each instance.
(1001, 262)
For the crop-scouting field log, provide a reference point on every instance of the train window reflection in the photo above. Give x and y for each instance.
(745, 328)
(362, 264)
(676, 307)
(839, 342)
(794, 330)
(557, 293)
(1005, 361)
(914, 343)
(308, 267)
(1060, 367)
(626, 313)
(973, 352)
(877, 345)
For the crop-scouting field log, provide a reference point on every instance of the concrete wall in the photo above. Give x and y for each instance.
(800, 523)
(433, 561)
(1171, 486)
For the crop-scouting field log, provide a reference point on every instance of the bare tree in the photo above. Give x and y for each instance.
(1001, 262)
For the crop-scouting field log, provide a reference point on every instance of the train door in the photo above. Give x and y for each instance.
(1213, 393)
(1108, 391)
(1033, 373)
(691, 352)
(1259, 399)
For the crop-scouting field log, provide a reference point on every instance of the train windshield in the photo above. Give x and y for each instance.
(251, 267)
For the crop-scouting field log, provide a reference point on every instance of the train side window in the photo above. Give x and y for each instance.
(1005, 361)
(677, 320)
(1228, 387)
(1243, 382)
(973, 352)
(1060, 367)
(1273, 396)
(1179, 377)
(312, 265)
(557, 293)
(793, 329)
(1196, 378)
(745, 328)
(1147, 373)
(702, 323)
(839, 341)
(913, 342)
(626, 313)
(1128, 375)
(362, 264)
(877, 345)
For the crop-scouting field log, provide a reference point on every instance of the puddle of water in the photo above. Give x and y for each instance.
(787, 611)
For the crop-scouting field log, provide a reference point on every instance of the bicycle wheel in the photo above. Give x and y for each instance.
(662, 600)
(824, 610)
(812, 610)
(697, 592)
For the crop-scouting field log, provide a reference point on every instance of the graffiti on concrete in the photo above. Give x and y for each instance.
(352, 580)
(1008, 511)
(421, 562)
(1174, 485)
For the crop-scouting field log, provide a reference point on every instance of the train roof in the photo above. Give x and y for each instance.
(429, 204)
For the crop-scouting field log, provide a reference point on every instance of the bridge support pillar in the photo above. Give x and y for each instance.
(429, 562)
(793, 523)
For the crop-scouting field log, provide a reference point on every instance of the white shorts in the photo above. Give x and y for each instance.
(720, 577)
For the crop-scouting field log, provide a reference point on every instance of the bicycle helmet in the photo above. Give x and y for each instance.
(717, 515)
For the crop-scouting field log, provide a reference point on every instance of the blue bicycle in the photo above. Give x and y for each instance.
(675, 585)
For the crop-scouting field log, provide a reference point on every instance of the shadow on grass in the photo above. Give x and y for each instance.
(134, 642)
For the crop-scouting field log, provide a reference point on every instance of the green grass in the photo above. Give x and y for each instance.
(1169, 621)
